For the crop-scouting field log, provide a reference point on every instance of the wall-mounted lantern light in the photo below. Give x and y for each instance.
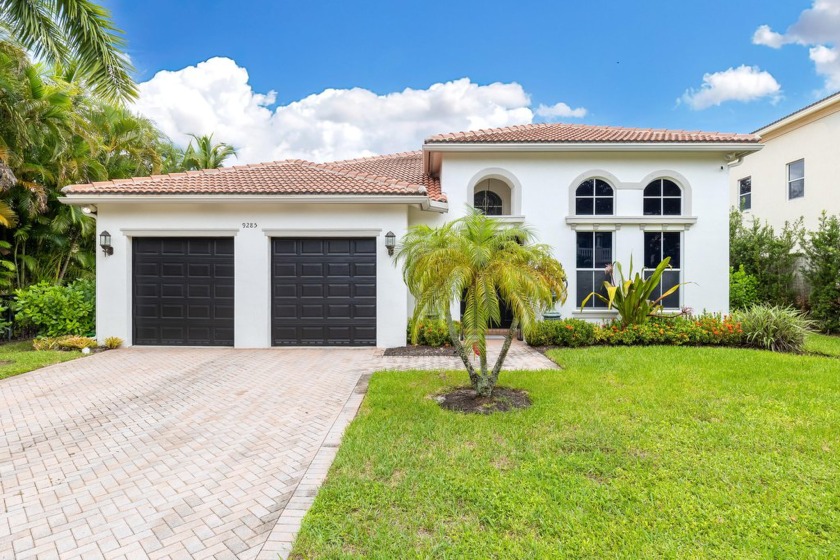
(105, 243)
(390, 242)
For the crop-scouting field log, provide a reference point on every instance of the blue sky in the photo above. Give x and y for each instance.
(624, 63)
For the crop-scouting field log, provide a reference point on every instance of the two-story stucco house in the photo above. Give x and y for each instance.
(797, 173)
(296, 253)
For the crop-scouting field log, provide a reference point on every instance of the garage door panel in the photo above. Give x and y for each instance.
(338, 246)
(364, 311)
(339, 270)
(364, 290)
(285, 270)
(223, 270)
(312, 290)
(315, 293)
(364, 269)
(223, 311)
(183, 291)
(339, 290)
(199, 270)
(339, 311)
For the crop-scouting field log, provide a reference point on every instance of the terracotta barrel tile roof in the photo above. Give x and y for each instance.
(401, 174)
(579, 133)
(405, 166)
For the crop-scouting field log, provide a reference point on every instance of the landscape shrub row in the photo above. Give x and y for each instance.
(682, 330)
(779, 329)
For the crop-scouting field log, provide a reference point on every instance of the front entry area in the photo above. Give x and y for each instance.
(323, 292)
(183, 291)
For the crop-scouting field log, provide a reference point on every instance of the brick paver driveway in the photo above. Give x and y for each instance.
(181, 453)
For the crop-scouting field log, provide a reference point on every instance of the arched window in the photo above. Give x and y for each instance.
(594, 197)
(663, 197)
(488, 203)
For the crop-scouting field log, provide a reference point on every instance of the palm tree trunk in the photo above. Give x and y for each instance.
(456, 342)
(497, 369)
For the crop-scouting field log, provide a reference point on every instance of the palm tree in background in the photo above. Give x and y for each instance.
(72, 32)
(482, 261)
(204, 154)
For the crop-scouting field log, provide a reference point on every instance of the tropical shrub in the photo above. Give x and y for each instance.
(766, 255)
(780, 329)
(69, 342)
(743, 288)
(822, 249)
(703, 330)
(57, 310)
(430, 332)
(566, 332)
(113, 342)
(5, 324)
(631, 297)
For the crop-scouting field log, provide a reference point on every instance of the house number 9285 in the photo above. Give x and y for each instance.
(249, 225)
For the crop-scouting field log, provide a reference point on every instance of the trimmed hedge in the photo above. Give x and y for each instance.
(565, 332)
(431, 332)
(715, 330)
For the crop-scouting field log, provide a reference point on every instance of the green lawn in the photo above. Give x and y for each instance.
(19, 357)
(822, 344)
(627, 453)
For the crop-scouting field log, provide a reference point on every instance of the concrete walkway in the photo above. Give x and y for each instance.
(179, 453)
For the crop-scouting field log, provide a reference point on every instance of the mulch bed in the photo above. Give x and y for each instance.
(421, 351)
(464, 399)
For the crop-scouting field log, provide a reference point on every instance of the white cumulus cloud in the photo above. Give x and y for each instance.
(745, 83)
(560, 110)
(215, 96)
(818, 27)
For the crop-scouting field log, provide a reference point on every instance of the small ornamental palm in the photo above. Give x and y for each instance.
(483, 262)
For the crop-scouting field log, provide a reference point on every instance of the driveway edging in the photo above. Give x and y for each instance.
(282, 536)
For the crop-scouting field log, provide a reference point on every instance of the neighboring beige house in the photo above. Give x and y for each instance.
(797, 174)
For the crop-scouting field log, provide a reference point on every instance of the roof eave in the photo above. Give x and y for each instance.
(723, 147)
(81, 199)
(805, 112)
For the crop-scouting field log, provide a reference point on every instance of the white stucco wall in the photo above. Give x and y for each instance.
(816, 142)
(252, 320)
(543, 184)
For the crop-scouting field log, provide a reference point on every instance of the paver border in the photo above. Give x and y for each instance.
(282, 536)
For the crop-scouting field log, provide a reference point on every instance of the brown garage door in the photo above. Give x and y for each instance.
(183, 291)
(323, 292)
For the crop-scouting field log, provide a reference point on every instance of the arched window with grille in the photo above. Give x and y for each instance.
(662, 197)
(594, 197)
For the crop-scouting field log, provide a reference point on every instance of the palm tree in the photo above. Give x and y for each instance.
(72, 31)
(205, 154)
(484, 262)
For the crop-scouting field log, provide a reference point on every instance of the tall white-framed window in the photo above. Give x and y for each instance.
(745, 193)
(658, 245)
(595, 252)
(594, 197)
(662, 197)
(796, 179)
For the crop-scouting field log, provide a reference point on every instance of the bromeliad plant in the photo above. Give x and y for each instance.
(483, 262)
(631, 295)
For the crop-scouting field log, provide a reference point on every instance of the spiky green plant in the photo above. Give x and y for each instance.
(631, 295)
(484, 262)
(780, 329)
